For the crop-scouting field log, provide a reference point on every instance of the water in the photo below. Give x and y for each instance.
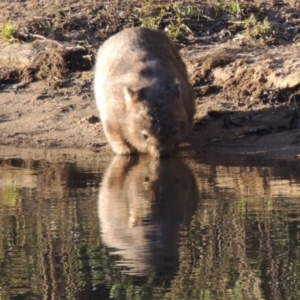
(75, 225)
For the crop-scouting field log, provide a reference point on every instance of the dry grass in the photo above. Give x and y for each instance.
(89, 23)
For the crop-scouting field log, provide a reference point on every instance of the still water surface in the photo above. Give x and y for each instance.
(74, 225)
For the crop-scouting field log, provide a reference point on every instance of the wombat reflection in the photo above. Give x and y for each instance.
(142, 91)
(142, 205)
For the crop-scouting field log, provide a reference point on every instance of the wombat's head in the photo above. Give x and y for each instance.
(155, 118)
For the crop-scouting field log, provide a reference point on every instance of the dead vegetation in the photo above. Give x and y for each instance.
(69, 34)
(83, 27)
(90, 23)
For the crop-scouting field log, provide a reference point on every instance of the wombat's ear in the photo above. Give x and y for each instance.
(130, 95)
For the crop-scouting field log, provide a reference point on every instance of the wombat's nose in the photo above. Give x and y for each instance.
(161, 151)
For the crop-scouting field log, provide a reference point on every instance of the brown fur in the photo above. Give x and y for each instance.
(145, 100)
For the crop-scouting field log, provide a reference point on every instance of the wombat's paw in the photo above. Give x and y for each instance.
(122, 149)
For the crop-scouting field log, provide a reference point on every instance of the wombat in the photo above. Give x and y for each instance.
(142, 91)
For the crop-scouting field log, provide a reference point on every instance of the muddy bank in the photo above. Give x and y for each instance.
(247, 95)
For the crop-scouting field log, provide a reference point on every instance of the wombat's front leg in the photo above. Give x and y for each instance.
(116, 140)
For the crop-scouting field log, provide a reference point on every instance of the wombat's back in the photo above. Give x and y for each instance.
(123, 57)
(122, 52)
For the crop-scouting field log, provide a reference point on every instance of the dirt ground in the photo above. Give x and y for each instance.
(247, 93)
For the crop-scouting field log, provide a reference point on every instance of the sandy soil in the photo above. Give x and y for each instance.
(248, 94)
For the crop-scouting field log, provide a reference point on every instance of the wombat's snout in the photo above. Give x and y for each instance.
(160, 151)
